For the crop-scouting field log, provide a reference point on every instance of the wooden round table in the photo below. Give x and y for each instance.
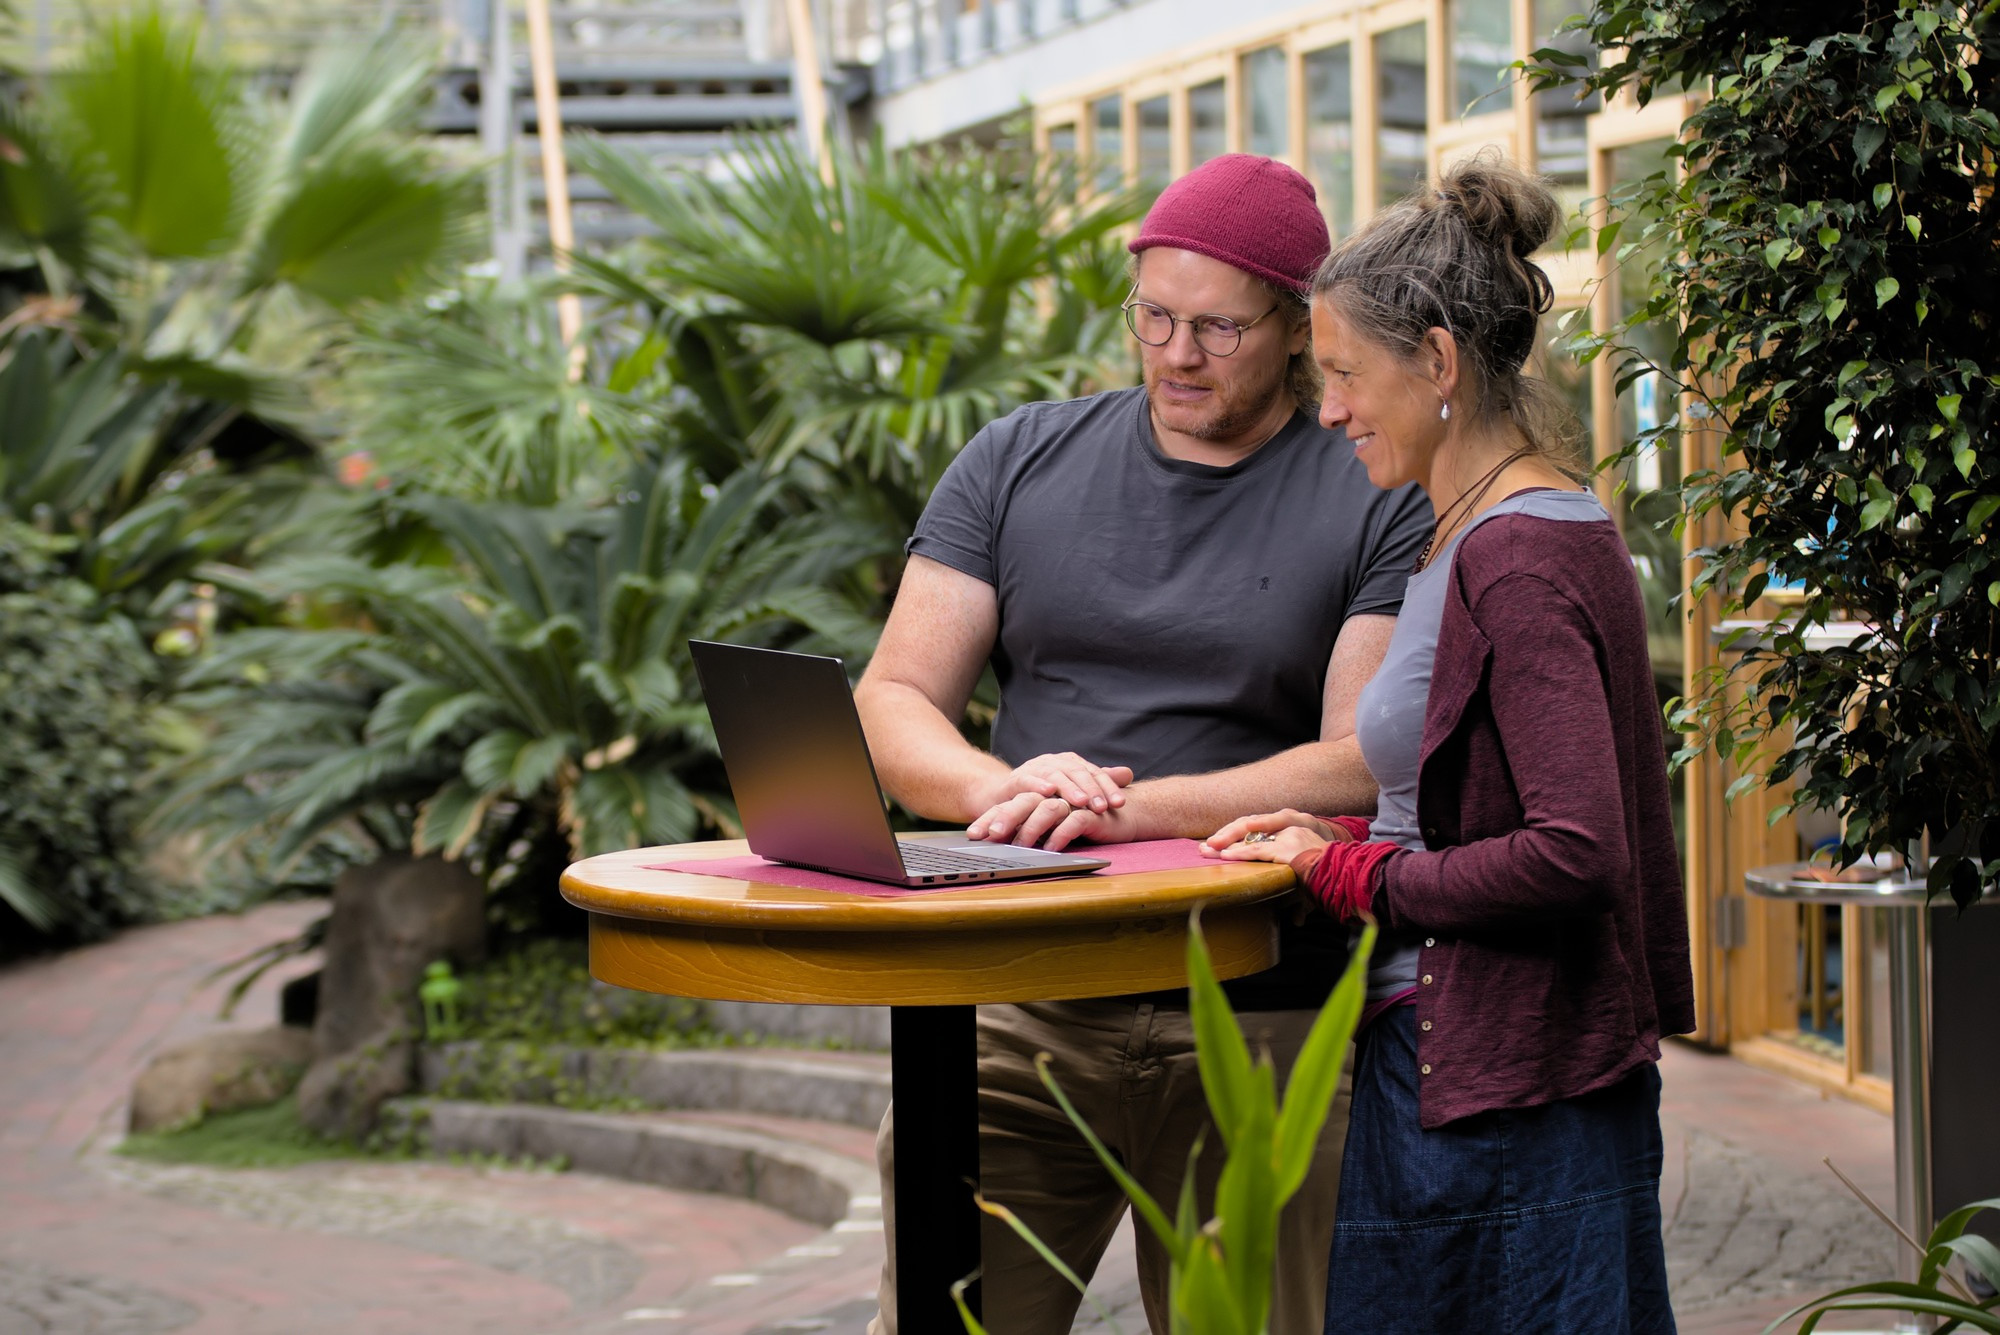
(931, 956)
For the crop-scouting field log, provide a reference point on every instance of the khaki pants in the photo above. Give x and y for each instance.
(1130, 1071)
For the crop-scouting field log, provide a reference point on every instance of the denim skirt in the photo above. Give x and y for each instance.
(1525, 1220)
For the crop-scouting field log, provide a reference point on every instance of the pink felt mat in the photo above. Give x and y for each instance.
(1151, 855)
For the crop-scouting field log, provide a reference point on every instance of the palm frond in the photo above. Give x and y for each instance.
(163, 130)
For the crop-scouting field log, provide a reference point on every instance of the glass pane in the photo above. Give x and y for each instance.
(1647, 502)
(1872, 993)
(1330, 133)
(1107, 126)
(1822, 996)
(1208, 122)
(1267, 121)
(1062, 151)
(1482, 47)
(1561, 153)
(1402, 136)
(1568, 377)
(1156, 142)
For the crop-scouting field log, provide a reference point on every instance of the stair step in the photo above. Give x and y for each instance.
(850, 1089)
(779, 1163)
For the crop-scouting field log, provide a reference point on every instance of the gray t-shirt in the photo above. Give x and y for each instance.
(1169, 615)
(1389, 716)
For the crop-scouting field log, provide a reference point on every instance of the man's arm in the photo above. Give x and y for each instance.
(1327, 777)
(939, 635)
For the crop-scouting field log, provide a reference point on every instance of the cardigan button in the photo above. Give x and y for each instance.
(1427, 980)
(1427, 1026)
(1430, 831)
(1426, 1068)
(1430, 940)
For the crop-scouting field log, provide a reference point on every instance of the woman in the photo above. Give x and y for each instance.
(1503, 1161)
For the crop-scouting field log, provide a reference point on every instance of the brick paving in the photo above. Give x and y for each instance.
(93, 1244)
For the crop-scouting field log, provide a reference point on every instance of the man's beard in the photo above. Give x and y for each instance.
(1231, 414)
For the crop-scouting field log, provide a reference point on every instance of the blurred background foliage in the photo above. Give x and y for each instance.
(319, 544)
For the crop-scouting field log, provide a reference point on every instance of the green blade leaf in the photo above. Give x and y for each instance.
(1223, 1055)
(164, 131)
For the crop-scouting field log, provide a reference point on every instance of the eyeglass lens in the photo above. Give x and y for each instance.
(1216, 335)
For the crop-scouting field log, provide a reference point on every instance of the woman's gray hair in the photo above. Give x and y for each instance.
(1459, 257)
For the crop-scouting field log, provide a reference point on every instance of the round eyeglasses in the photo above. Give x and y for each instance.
(1216, 335)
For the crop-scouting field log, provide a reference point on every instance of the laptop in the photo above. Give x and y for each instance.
(805, 784)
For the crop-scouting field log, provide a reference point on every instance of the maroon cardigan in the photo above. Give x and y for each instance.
(1555, 941)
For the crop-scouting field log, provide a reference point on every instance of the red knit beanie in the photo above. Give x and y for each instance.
(1252, 213)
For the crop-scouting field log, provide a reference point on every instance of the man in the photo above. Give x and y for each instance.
(1181, 589)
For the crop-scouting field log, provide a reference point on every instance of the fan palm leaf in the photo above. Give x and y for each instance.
(164, 132)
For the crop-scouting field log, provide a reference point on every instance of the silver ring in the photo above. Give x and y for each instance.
(1259, 837)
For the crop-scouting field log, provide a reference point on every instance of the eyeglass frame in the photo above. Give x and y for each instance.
(1175, 321)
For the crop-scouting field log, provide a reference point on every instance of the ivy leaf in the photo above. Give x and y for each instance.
(1829, 237)
(1774, 253)
(1834, 308)
(1965, 459)
(1849, 371)
(1887, 190)
(1885, 98)
(1869, 137)
(1916, 226)
(1608, 237)
(1982, 511)
(1885, 291)
(1948, 405)
(1993, 593)
(1952, 587)
(1922, 496)
(1880, 505)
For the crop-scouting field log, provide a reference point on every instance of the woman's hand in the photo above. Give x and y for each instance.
(1234, 839)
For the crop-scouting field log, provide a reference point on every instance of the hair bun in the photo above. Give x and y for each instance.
(1505, 206)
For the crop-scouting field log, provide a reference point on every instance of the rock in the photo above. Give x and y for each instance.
(391, 918)
(219, 1073)
(341, 1095)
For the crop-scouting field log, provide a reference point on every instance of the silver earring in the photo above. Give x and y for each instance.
(1444, 412)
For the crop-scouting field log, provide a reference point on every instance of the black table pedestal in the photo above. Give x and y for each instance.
(934, 1077)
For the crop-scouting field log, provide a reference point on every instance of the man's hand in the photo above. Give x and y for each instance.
(1064, 774)
(1052, 823)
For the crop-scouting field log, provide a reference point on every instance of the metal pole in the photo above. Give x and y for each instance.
(809, 84)
(1909, 1023)
(934, 1084)
(498, 122)
(555, 170)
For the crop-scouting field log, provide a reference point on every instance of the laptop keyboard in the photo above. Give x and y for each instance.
(923, 860)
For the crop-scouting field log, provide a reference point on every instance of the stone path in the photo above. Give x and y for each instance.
(94, 1244)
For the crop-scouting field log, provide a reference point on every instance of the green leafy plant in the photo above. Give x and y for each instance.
(149, 181)
(543, 995)
(118, 461)
(873, 322)
(528, 701)
(268, 1137)
(1935, 1294)
(1829, 281)
(1222, 1267)
(197, 250)
(470, 393)
(75, 682)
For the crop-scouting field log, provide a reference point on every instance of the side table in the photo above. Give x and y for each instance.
(931, 956)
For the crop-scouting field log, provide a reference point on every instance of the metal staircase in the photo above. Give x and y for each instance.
(669, 78)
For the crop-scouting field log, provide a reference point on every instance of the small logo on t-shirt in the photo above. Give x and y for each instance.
(1264, 584)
